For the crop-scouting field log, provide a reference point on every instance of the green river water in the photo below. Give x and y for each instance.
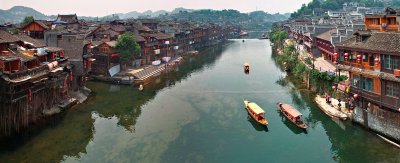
(196, 114)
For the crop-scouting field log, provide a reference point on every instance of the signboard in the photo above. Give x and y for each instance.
(157, 51)
(166, 59)
(114, 70)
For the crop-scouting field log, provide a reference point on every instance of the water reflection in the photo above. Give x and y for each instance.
(68, 136)
(345, 146)
(196, 115)
(291, 126)
(257, 126)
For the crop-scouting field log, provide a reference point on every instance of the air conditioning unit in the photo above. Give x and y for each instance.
(397, 72)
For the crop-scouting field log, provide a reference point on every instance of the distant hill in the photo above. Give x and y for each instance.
(307, 9)
(17, 13)
(149, 13)
(257, 19)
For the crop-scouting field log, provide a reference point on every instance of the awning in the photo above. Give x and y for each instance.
(256, 109)
(292, 111)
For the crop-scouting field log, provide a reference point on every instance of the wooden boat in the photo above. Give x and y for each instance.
(328, 109)
(246, 67)
(256, 112)
(292, 114)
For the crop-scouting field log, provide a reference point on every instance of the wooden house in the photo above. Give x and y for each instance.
(105, 55)
(325, 45)
(36, 28)
(387, 21)
(373, 62)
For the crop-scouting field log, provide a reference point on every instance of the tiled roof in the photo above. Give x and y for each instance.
(118, 28)
(377, 41)
(162, 36)
(142, 28)
(111, 43)
(139, 38)
(68, 18)
(326, 35)
(42, 24)
(6, 37)
(35, 42)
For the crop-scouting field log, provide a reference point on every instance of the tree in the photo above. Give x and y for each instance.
(15, 31)
(26, 21)
(127, 47)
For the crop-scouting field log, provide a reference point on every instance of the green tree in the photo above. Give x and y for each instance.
(127, 47)
(26, 21)
(15, 31)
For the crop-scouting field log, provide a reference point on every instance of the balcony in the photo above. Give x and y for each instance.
(370, 96)
(27, 74)
(358, 65)
(374, 27)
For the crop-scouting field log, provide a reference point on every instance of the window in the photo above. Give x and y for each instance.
(395, 62)
(367, 84)
(387, 62)
(391, 21)
(354, 80)
(391, 62)
(365, 57)
(376, 21)
(103, 50)
(391, 89)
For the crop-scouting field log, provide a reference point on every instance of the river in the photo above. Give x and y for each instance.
(196, 114)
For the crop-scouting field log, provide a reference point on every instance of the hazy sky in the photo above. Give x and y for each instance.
(106, 7)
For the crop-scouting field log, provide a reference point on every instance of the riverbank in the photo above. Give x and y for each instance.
(196, 113)
(336, 89)
(149, 73)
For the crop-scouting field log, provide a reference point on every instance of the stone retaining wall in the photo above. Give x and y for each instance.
(386, 127)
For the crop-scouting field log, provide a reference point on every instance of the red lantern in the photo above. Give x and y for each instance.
(334, 62)
(346, 58)
(359, 60)
(359, 56)
(376, 62)
(335, 55)
(346, 54)
(355, 95)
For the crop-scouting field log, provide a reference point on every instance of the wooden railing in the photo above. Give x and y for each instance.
(372, 96)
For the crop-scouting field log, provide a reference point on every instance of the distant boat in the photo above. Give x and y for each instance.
(263, 36)
(292, 114)
(246, 67)
(243, 33)
(193, 52)
(256, 112)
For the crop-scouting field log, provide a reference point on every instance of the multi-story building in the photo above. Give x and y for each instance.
(387, 21)
(373, 62)
(34, 79)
